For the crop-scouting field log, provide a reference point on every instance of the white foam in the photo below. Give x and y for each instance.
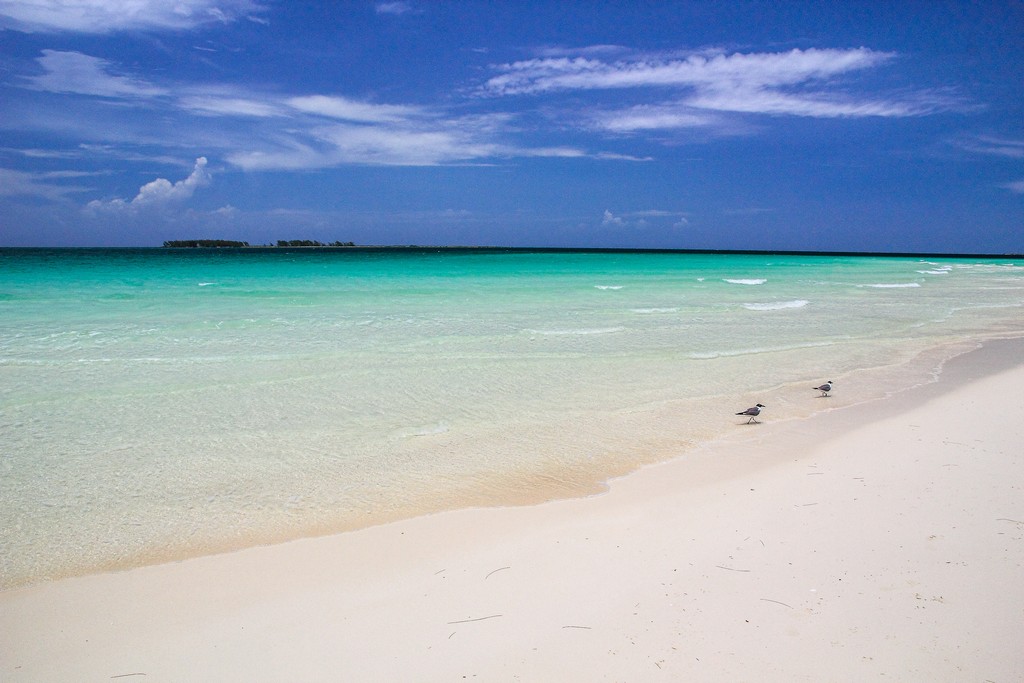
(430, 430)
(750, 281)
(893, 286)
(578, 332)
(608, 286)
(208, 284)
(934, 272)
(711, 355)
(654, 310)
(777, 305)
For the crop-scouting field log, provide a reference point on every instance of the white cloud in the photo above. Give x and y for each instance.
(74, 72)
(756, 70)
(376, 145)
(393, 8)
(648, 218)
(108, 16)
(610, 219)
(42, 185)
(319, 130)
(1016, 187)
(351, 110)
(213, 105)
(161, 192)
(652, 117)
(997, 146)
(795, 83)
(819, 106)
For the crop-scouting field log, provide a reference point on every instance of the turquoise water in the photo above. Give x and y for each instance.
(157, 404)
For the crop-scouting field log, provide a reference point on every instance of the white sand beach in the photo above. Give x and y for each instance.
(883, 541)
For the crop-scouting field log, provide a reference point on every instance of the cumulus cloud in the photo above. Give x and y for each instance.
(610, 219)
(647, 218)
(161, 192)
(109, 16)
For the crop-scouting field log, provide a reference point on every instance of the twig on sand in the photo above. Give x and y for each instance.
(496, 570)
(732, 569)
(777, 602)
(127, 675)
(466, 621)
(571, 626)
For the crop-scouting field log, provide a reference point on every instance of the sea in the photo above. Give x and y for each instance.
(158, 404)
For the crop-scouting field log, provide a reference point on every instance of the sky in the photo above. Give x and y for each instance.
(809, 126)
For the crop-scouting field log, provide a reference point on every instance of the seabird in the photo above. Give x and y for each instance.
(824, 388)
(752, 412)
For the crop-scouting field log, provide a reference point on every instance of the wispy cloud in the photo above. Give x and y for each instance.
(750, 71)
(347, 109)
(393, 7)
(109, 16)
(652, 117)
(40, 185)
(352, 144)
(224, 104)
(793, 83)
(310, 131)
(993, 145)
(1016, 187)
(77, 73)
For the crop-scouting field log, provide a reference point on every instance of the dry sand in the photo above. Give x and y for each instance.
(879, 542)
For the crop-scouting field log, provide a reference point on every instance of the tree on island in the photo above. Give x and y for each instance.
(196, 244)
(201, 244)
(312, 243)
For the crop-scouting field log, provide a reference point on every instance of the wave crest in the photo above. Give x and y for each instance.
(777, 305)
(899, 285)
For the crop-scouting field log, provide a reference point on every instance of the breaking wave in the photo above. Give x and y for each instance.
(893, 286)
(777, 305)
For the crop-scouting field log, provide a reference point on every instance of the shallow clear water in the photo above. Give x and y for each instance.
(157, 403)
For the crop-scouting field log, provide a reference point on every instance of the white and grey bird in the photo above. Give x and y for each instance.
(752, 412)
(824, 388)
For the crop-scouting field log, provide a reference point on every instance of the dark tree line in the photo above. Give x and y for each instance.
(312, 243)
(195, 244)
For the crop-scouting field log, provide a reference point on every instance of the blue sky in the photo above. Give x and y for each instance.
(874, 126)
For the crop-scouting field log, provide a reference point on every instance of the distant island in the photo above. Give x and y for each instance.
(206, 244)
